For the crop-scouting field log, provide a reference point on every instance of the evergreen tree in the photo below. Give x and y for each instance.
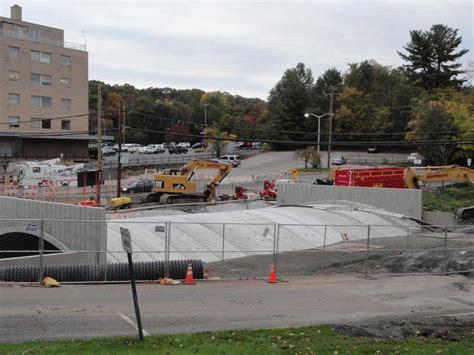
(432, 57)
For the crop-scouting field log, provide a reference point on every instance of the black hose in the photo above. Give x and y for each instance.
(144, 270)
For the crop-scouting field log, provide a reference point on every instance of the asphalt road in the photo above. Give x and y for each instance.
(84, 311)
(273, 163)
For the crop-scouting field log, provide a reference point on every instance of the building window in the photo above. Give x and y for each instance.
(66, 125)
(65, 60)
(66, 104)
(41, 57)
(38, 79)
(13, 99)
(13, 52)
(36, 123)
(36, 169)
(13, 76)
(65, 82)
(40, 101)
(13, 121)
(41, 123)
(46, 124)
(34, 34)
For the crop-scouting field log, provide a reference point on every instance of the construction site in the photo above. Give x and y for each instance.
(232, 232)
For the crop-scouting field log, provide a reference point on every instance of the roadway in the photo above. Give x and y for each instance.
(29, 312)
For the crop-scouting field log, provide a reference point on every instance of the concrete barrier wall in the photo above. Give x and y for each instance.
(76, 227)
(403, 201)
(438, 218)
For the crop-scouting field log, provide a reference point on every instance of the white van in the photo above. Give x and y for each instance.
(230, 159)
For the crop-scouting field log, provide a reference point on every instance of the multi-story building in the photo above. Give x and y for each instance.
(43, 91)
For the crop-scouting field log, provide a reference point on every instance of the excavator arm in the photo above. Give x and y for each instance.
(414, 178)
(223, 170)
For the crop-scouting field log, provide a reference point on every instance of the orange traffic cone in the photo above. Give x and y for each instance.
(189, 280)
(272, 276)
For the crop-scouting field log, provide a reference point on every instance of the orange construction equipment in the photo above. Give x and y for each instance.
(189, 280)
(272, 279)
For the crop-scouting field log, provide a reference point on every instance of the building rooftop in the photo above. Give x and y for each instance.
(16, 19)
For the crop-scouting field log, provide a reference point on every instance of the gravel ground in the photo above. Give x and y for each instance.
(422, 254)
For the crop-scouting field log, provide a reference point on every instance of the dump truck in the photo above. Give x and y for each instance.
(178, 187)
(411, 178)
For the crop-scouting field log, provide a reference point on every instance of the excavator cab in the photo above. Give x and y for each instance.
(179, 187)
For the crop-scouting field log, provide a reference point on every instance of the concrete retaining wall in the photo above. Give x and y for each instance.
(403, 201)
(438, 218)
(74, 227)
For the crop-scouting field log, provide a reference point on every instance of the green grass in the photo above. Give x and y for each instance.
(450, 198)
(304, 340)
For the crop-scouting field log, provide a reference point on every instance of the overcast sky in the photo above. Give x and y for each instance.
(239, 47)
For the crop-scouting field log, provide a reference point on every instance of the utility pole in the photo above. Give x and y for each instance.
(119, 163)
(205, 114)
(99, 141)
(331, 115)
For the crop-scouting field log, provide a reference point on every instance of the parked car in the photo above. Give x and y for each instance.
(141, 185)
(230, 159)
(141, 150)
(412, 158)
(184, 144)
(177, 150)
(373, 150)
(154, 149)
(130, 147)
(256, 145)
(108, 152)
(197, 145)
(338, 161)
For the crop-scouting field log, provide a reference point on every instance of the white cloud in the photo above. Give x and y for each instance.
(239, 47)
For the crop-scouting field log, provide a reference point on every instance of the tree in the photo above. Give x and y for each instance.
(217, 140)
(432, 57)
(309, 155)
(433, 122)
(375, 99)
(288, 102)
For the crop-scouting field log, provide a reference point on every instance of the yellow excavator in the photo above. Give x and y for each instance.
(178, 187)
(416, 178)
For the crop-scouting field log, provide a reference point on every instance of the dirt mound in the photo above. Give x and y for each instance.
(445, 328)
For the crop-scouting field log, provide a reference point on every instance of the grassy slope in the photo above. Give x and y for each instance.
(304, 340)
(449, 199)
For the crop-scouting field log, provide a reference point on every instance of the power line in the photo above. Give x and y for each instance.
(47, 118)
(292, 142)
(300, 132)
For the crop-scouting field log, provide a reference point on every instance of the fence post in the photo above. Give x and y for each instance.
(167, 249)
(367, 256)
(275, 242)
(445, 264)
(406, 250)
(324, 248)
(223, 244)
(41, 249)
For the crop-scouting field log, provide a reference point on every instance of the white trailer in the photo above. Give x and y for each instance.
(33, 173)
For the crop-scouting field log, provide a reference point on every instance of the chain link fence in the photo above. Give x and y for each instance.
(231, 250)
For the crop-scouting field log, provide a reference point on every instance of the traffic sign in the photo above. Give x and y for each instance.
(126, 240)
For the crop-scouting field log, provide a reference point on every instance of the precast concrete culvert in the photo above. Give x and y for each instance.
(237, 234)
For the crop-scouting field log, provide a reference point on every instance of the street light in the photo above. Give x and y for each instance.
(319, 123)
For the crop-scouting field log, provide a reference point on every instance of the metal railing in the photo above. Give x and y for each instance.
(237, 250)
(31, 37)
